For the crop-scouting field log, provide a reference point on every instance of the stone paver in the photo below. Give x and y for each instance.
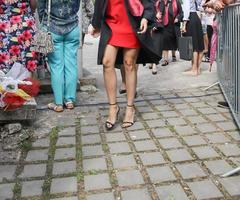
(232, 185)
(140, 194)
(145, 145)
(218, 167)
(192, 170)
(66, 198)
(205, 152)
(156, 123)
(115, 137)
(94, 164)
(179, 155)
(61, 185)
(162, 132)
(205, 190)
(70, 131)
(97, 182)
(7, 172)
(226, 126)
(37, 155)
(171, 192)
(30, 170)
(176, 121)
(229, 149)
(32, 188)
(217, 138)
(138, 135)
(185, 130)
(152, 158)
(124, 180)
(123, 161)
(62, 141)
(161, 174)
(194, 140)
(91, 139)
(170, 143)
(95, 150)
(65, 153)
(6, 191)
(64, 167)
(43, 142)
(89, 129)
(105, 196)
(120, 147)
(235, 135)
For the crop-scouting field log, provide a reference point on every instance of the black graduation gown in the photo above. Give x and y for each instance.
(148, 53)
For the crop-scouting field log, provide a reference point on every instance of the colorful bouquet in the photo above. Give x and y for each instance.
(16, 88)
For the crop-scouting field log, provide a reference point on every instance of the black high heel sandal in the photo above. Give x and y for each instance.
(165, 63)
(109, 125)
(129, 124)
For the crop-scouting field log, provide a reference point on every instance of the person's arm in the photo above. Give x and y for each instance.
(149, 9)
(186, 10)
(179, 16)
(89, 7)
(98, 14)
(41, 6)
(33, 5)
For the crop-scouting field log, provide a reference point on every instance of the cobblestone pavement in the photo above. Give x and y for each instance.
(179, 146)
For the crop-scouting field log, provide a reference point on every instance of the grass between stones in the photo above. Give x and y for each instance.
(52, 148)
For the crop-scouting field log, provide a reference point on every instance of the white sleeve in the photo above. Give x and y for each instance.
(186, 10)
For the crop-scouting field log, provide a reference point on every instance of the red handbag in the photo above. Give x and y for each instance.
(136, 8)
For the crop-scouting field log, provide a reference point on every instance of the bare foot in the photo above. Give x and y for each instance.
(129, 117)
(191, 73)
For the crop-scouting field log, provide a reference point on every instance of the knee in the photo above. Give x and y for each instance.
(107, 64)
(129, 65)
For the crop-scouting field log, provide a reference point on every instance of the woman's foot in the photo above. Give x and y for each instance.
(154, 69)
(191, 73)
(129, 117)
(69, 105)
(165, 63)
(112, 116)
(55, 107)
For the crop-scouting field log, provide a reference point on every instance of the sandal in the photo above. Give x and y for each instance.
(150, 66)
(54, 107)
(69, 105)
(127, 124)
(174, 59)
(165, 63)
(122, 91)
(109, 125)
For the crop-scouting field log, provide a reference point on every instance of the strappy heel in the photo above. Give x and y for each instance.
(109, 125)
(127, 124)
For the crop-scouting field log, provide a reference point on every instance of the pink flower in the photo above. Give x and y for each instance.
(15, 19)
(30, 23)
(4, 57)
(15, 50)
(27, 35)
(4, 26)
(31, 65)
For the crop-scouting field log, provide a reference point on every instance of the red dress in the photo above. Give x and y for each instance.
(122, 32)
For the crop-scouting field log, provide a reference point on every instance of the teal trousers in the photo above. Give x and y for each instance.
(63, 65)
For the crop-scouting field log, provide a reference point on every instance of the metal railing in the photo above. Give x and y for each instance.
(228, 57)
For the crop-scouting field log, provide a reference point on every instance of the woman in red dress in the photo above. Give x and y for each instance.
(124, 40)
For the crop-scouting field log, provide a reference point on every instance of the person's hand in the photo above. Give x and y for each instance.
(184, 27)
(159, 15)
(219, 5)
(176, 20)
(143, 26)
(93, 31)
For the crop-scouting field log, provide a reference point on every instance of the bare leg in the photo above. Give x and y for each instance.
(200, 56)
(110, 80)
(165, 58)
(205, 37)
(123, 84)
(130, 57)
(194, 70)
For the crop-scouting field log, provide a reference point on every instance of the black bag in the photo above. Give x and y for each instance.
(185, 47)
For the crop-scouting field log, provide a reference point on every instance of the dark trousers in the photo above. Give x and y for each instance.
(209, 34)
